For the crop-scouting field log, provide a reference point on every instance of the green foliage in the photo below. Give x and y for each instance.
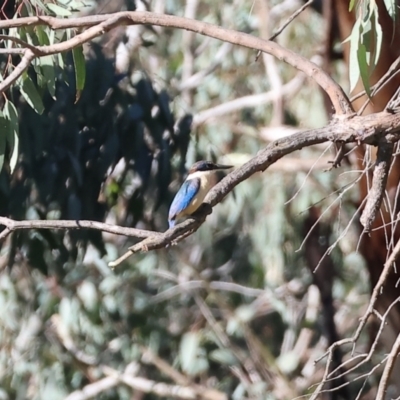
(47, 68)
(391, 8)
(365, 44)
(11, 115)
(30, 93)
(80, 70)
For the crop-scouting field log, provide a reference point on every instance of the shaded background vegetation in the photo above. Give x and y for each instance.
(234, 307)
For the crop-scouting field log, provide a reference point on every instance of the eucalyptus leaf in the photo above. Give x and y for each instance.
(363, 67)
(48, 70)
(80, 70)
(42, 36)
(60, 61)
(188, 351)
(58, 11)
(87, 293)
(354, 70)
(378, 39)
(31, 94)
(39, 4)
(391, 8)
(10, 112)
(3, 138)
(223, 356)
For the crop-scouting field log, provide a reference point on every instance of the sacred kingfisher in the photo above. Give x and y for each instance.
(190, 196)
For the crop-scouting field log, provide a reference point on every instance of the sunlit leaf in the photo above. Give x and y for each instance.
(223, 356)
(391, 8)
(354, 70)
(3, 138)
(58, 11)
(80, 70)
(288, 362)
(352, 4)
(10, 112)
(60, 60)
(378, 40)
(188, 350)
(88, 294)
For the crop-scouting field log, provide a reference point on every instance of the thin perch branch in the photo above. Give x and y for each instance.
(383, 384)
(12, 225)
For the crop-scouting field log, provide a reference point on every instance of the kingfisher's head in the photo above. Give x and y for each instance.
(207, 166)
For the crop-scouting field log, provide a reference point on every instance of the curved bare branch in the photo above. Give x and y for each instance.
(99, 24)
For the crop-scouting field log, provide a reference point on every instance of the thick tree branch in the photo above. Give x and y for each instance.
(99, 24)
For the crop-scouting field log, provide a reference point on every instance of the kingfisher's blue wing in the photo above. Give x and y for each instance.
(183, 198)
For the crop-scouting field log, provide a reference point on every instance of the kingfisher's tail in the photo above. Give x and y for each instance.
(172, 223)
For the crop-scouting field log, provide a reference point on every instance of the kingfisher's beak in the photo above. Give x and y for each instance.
(221, 166)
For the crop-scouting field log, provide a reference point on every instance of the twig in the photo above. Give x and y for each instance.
(377, 191)
(179, 232)
(92, 390)
(23, 65)
(12, 225)
(370, 310)
(287, 22)
(225, 342)
(384, 80)
(341, 152)
(270, 65)
(365, 357)
(202, 392)
(163, 389)
(248, 101)
(290, 19)
(196, 79)
(20, 42)
(64, 336)
(188, 56)
(148, 357)
(215, 285)
(383, 384)
(394, 102)
(99, 24)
